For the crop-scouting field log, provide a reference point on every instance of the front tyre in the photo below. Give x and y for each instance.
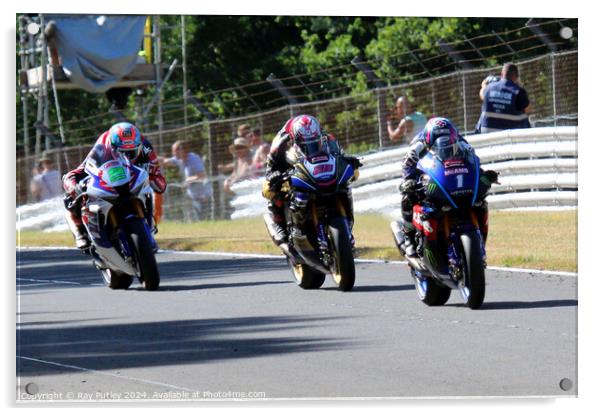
(144, 254)
(472, 286)
(343, 270)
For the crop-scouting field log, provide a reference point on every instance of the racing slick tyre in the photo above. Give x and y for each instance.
(472, 286)
(343, 270)
(143, 252)
(306, 277)
(115, 279)
(430, 292)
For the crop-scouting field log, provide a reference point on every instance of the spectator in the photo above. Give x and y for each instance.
(505, 103)
(410, 122)
(192, 170)
(243, 130)
(243, 163)
(47, 183)
(259, 149)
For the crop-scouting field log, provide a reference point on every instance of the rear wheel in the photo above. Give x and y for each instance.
(429, 291)
(306, 277)
(472, 286)
(116, 280)
(143, 252)
(343, 270)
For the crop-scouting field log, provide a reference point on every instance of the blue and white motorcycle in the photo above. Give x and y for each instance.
(115, 211)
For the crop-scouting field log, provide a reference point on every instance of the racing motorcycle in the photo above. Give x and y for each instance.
(449, 226)
(324, 246)
(114, 210)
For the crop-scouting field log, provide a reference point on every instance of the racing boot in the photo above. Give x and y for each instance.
(276, 226)
(409, 243)
(82, 240)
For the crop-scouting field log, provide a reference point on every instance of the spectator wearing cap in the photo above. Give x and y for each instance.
(505, 103)
(410, 122)
(243, 163)
(192, 169)
(47, 183)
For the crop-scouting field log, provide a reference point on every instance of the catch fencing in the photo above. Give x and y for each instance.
(358, 121)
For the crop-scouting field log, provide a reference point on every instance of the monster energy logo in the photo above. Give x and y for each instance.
(430, 256)
(431, 188)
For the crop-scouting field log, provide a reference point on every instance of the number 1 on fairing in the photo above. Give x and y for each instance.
(460, 179)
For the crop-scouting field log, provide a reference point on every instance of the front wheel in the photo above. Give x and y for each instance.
(343, 270)
(472, 285)
(144, 254)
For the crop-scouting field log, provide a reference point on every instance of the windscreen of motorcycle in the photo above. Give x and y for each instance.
(455, 173)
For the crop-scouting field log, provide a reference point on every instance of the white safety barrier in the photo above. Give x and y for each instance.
(538, 170)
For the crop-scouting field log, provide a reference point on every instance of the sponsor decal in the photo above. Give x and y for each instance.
(324, 168)
(453, 163)
(455, 171)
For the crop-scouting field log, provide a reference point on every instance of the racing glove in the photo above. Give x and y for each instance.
(407, 186)
(489, 177)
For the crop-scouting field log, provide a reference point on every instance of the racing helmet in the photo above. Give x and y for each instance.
(307, 135)
(125, 139)
(438, 127)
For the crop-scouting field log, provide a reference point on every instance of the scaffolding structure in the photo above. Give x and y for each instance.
(41, 71)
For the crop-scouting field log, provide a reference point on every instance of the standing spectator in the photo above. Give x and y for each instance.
(259, 148)
(243, 130)
(410, 122)
(192, 170)
(505, 103)
(243, 163)
(47, 183)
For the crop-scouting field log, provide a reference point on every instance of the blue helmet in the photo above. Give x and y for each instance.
(125, 139)
(439, 127)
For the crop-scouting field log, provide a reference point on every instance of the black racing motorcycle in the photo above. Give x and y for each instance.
(319, 184)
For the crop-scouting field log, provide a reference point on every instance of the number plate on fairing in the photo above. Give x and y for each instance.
(321, 167)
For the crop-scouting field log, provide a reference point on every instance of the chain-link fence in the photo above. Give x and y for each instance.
(358, 121)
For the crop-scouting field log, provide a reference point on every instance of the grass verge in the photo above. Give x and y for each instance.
(535, 240)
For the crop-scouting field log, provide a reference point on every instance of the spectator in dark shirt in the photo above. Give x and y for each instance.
(505, 103)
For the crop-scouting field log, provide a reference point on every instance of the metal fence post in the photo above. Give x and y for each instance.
(554, 87)
(464, 101)
(381, 114)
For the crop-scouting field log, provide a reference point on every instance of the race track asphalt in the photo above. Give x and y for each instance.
(223, 327)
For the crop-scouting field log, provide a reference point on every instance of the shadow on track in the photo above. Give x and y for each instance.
(381, 288)
(528, 304)
(179, 288)
(66, 267)
(103, 347)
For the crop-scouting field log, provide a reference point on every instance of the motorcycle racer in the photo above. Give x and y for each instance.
(306, 135)
(122, 138)
(442, 130)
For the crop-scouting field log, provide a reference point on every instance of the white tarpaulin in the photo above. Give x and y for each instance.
(97, 51)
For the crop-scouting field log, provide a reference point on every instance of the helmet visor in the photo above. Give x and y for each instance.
(445, 148)
(311, 147)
